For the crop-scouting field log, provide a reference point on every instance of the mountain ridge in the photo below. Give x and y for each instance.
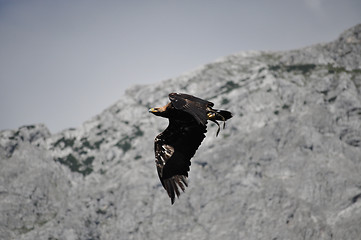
(286, 166)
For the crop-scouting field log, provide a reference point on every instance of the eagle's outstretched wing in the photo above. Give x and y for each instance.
(195, 106)
(174, 149)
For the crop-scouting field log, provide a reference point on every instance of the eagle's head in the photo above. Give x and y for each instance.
(161, 111)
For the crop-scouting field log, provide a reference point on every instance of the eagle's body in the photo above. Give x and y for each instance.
(177, 144)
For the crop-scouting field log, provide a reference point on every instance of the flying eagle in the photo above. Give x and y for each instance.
(177, 144)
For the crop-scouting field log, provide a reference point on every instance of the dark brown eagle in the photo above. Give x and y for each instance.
(175, 147)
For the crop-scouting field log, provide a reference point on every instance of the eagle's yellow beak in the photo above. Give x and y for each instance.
(152, 110)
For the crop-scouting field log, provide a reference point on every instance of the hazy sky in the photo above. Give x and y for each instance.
(64, 61)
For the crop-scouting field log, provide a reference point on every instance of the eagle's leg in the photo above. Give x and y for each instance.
(213, 114)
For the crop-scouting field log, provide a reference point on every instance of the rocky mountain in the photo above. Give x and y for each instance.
(287, 165)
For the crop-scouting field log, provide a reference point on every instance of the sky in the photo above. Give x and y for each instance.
(63, 62)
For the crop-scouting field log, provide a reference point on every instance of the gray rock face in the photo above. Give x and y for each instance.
(287, 166)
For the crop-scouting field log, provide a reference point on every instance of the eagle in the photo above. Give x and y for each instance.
(177, 144)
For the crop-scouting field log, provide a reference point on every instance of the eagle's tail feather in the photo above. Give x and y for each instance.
(222, 115)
